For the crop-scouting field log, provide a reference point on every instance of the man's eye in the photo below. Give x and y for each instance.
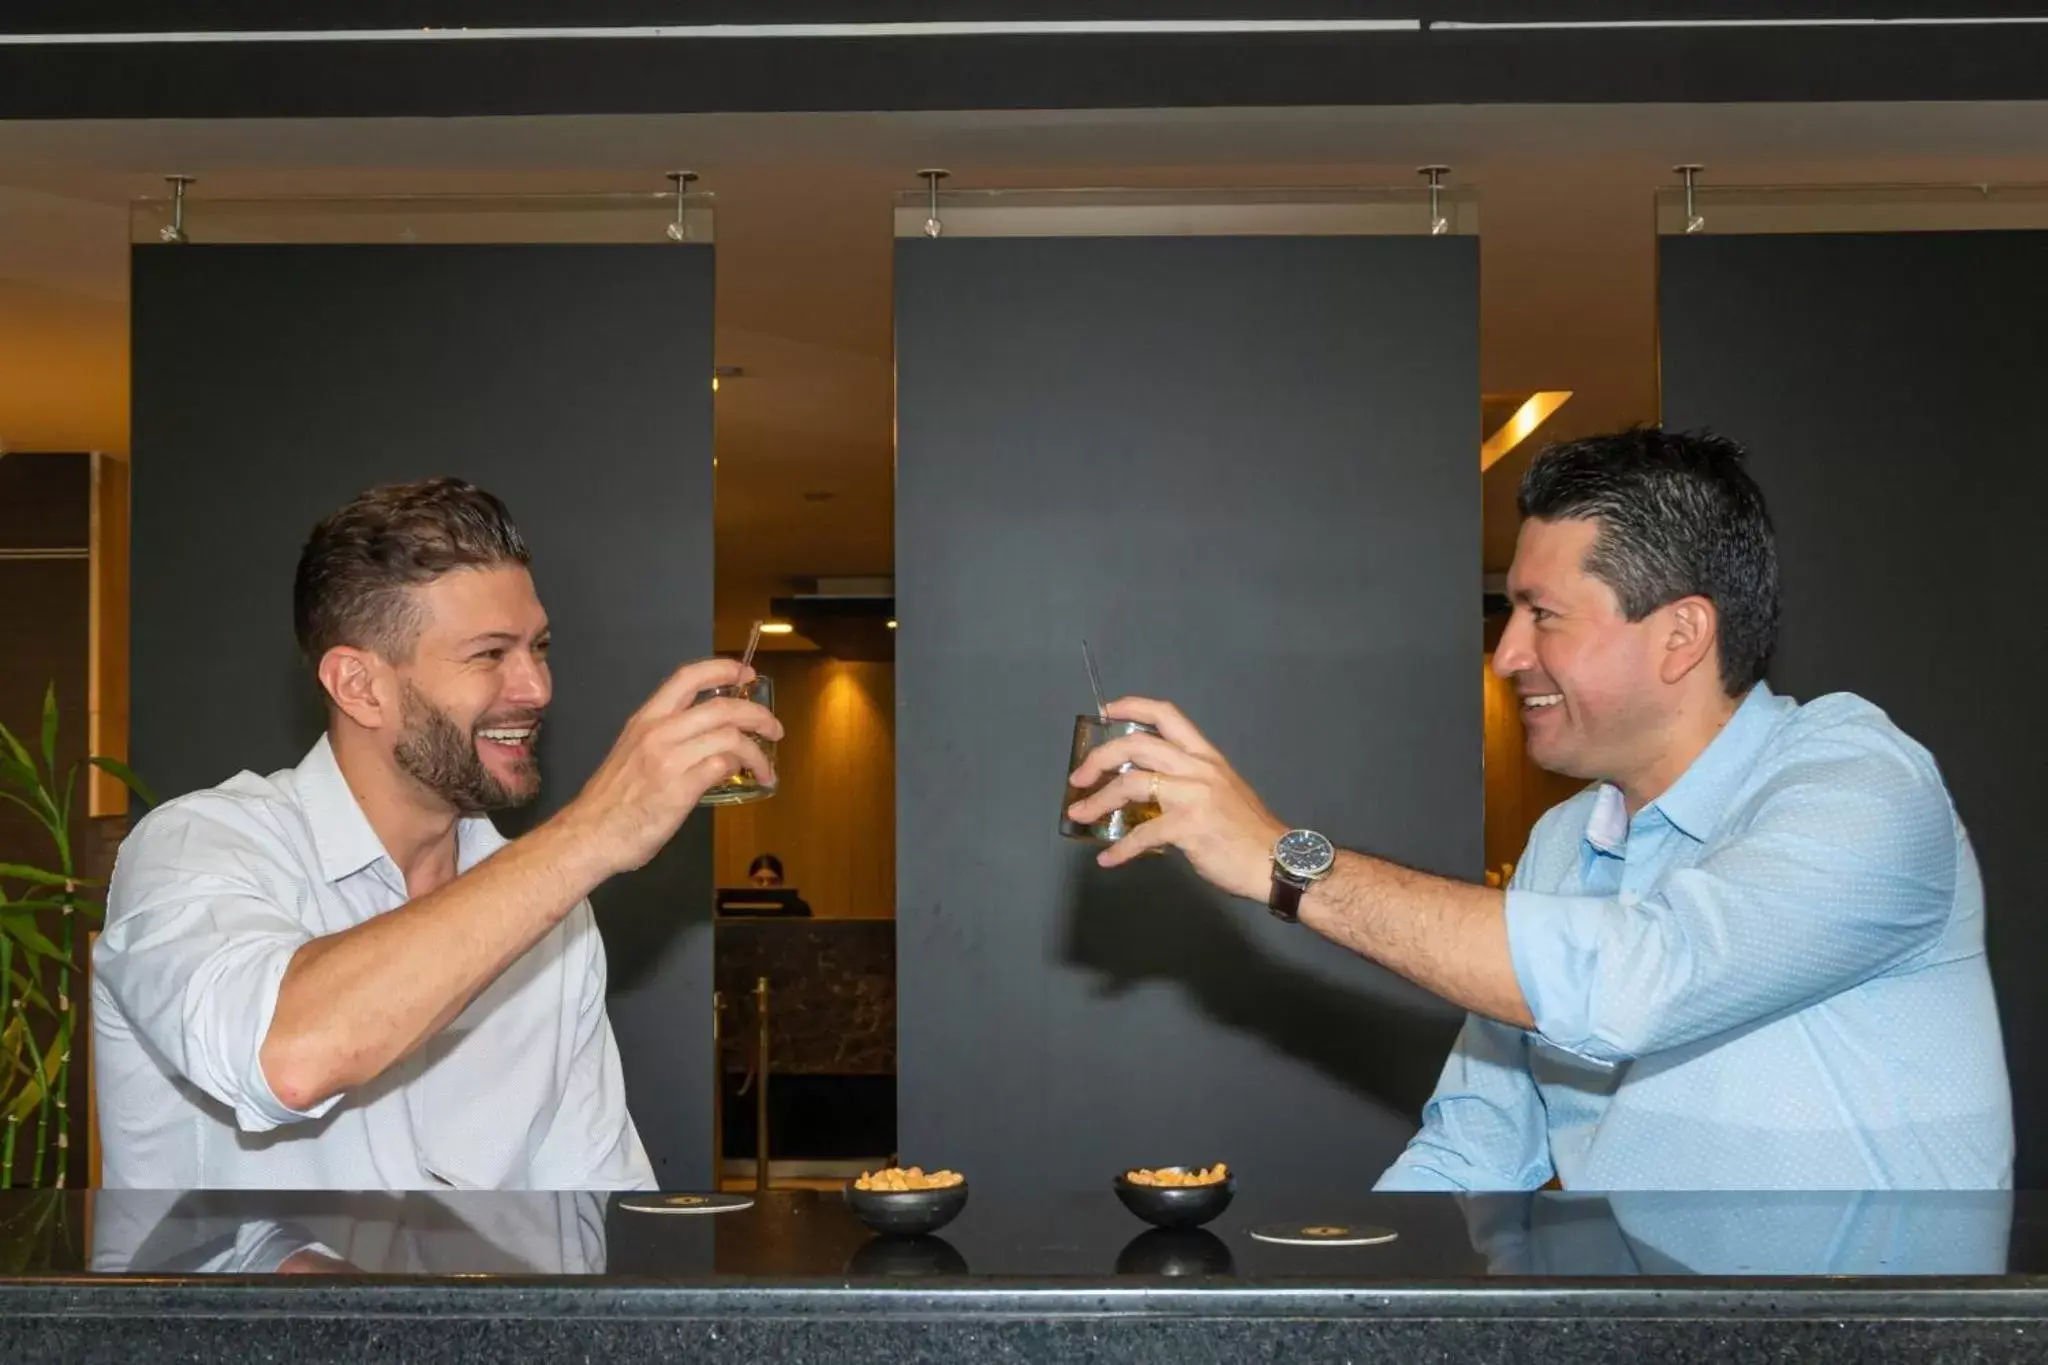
(492, 654)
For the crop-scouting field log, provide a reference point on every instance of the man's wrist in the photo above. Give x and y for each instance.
(575, 848)
(1259, 878)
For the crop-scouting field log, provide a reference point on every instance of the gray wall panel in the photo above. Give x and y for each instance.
(1245, 470)
(271, 383)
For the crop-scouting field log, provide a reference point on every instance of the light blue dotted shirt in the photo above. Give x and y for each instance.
(1772, 977)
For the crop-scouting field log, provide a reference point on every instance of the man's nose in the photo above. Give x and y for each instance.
(1513, 654)
(529, 683)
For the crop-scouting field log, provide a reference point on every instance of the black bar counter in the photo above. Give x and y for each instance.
(297, 1278)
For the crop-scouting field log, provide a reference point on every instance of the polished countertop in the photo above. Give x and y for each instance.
(1548, 1279)
(1076, 1241)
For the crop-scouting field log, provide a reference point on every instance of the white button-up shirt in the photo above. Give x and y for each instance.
(212, 894)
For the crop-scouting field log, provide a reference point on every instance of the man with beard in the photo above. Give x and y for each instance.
(341, 975)
(1749, 956)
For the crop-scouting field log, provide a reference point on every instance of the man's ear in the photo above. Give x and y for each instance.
(353, 681)
(1692, 637)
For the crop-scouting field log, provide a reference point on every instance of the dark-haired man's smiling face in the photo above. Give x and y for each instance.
(1586, 676)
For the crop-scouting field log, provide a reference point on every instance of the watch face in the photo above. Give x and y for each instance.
(1304, 853)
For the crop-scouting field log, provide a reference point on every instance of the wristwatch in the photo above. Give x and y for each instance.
(1300, 860)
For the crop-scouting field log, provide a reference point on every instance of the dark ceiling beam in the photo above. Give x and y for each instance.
(211, 73)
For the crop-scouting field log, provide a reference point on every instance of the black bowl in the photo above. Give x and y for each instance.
(907, 1257)
(1175, 1252)
(1177, 1206)
(907, 1213)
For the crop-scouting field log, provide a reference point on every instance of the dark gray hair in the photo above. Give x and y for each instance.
(1679, 516)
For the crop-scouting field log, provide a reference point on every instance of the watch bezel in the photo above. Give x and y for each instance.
(1304, 875)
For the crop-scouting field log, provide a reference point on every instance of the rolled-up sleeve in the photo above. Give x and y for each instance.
(195, 948)
(1484, 1128)
(1841, 871)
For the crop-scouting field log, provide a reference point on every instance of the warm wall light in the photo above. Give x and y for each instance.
(892, 625)
(777, 628)
(1533, 413)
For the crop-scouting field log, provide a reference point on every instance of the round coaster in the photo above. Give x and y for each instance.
(1324, 1234)
(686, 1203)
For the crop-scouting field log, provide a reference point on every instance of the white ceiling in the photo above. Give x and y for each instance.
(804, 241)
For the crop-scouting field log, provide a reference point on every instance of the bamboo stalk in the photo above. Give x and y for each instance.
(61, 1084)
(40, 1060)
(36, 1174)
(7, 995)
(35, 1058)
(60, 1153)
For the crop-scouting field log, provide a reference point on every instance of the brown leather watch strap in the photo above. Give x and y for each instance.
(1285, 902)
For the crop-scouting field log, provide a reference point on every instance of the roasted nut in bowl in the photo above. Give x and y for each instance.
(907, 1203)
(1177, 1196)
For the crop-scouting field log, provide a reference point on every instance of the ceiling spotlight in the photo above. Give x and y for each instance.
(892, 625)
(777, 628)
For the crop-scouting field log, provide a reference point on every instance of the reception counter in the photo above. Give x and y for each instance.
(454, 1276)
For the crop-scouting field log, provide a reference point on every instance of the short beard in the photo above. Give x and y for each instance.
(441, 756)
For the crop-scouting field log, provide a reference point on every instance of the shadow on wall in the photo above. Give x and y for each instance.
(1155, 920)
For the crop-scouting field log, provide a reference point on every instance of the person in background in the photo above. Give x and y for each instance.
(341, 975)
(1750, 955)
(765, 872)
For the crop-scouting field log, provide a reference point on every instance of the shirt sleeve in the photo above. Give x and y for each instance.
(591, 1143)
(1485, 1127)
(195, 948)
(1843, 869)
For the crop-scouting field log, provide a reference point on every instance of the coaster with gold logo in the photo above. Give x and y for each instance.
(1324, 1234)
(686, 1203)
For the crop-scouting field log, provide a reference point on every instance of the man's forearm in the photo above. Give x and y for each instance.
(354, 1003)
(1449, 937)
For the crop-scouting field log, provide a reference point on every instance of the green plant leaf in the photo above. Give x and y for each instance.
(14, 763)
(114, 767)
(16, 766)
(41, 1074)
(27, 1098)
(21, 872)
(37, 815)
(22, 929)
(28, 990)
(50, 730)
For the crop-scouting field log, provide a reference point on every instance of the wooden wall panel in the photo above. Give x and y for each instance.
(833, 823)
(107, 673)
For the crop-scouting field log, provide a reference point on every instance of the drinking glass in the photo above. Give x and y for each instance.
(743, 787)
(1091, 732)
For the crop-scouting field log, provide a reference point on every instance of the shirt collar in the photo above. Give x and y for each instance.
(1693, 804)
(342, 835)
(341, 832)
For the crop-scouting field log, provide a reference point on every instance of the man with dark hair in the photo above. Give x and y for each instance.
(341, 975)
(1749, 956)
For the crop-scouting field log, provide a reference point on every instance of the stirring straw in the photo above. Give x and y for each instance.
(747, 659)
(1094, 682)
